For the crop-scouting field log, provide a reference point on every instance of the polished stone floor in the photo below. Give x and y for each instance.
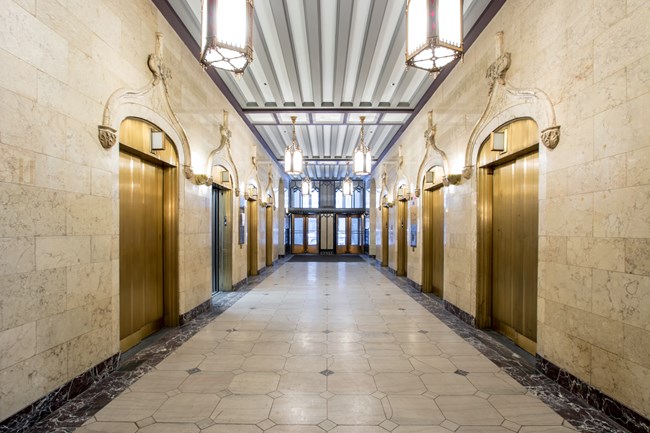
(334, 347)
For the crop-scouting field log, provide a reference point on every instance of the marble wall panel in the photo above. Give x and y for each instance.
(622, 297)
(29, 211)
(58, 329)
(19, 255)
(638, 77)
(17, 75)
(28, 296)
(637, 252)
(637, 167)
(17, 344)
(55, 252)
(622, 213)
(26, 381)
(599, 253)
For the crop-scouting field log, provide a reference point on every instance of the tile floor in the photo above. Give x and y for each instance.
(326, 347)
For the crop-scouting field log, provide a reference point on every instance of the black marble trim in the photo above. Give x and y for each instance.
(43, 407)
(622, 414)
(203, 307)
(461, 314)
(570, 406)
(415, 285)
(240, 284)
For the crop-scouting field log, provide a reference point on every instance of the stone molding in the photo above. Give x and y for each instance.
(222, 155)
(151, 98)
(505, 103)
(433, 156)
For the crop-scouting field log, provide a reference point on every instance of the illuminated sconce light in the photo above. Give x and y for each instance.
(251, 192)
(157, 141)
(499, 141)
(434, 33)
(403, 193)
(293, 153)
(227, 34)
(362, 156)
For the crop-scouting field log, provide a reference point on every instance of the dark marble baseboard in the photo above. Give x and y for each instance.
(461, 314)
(628, 418)
(239, 285)
(413, 284)
(203, 307)
(43, 407)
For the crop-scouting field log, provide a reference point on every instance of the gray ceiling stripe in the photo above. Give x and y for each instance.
(282, 28)
(342, 38)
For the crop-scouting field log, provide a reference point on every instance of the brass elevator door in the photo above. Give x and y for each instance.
(253, 216)
(514, 250)
(141, 249)
(384, 236)
(269, 236)
(434, 257)
(401, 238)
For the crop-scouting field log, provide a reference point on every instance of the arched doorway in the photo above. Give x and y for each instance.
(433, 217)
(508, 232)
(148, 196)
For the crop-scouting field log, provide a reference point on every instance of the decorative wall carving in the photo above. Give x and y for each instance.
(506, 102)
(153, 98)
(432, 156)
(225, 160)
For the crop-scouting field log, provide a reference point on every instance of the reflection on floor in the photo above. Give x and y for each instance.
(332, 347)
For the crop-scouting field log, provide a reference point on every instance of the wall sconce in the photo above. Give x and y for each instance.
(157, 141)
(403, 193)
(251, 192)
(225, 177)
(499, 141)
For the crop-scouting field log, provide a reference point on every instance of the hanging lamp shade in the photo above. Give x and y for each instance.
(293, 153)
(347, 184)
(361, 157)
(434, 33)
(305, 187)
(227, 34)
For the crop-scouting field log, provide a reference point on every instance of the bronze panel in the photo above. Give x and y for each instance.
(269, 235)
(384, 236)
(433, 215)
(401, 237)
(141, 249)
(252, 237)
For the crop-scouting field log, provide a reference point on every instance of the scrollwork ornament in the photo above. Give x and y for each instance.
(188, 172)
(107, 136)
(467, 171)
(551, 136)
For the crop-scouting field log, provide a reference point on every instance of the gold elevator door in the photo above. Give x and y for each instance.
(514, 264)
(433, 266)
(401, 237)
(384, 236)
(141, 249)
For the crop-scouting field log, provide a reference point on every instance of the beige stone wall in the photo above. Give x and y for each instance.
(593, 61)
(59, 228)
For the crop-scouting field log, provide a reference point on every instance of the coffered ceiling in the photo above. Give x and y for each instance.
(328, 62)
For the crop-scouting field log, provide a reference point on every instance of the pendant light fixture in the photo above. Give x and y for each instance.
(305, 187)
(293, 153)
(361, 156)
(434, 33)
(227, 34)
(347, 183)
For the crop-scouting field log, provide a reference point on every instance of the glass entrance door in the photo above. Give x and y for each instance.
(349, 234)
(305, 234)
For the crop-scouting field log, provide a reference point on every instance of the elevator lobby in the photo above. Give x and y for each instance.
(347, 216)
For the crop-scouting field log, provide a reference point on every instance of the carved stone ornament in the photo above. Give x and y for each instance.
(150, 102)
(430, 153)
(107, 136)
(222, 155)
(506, 103)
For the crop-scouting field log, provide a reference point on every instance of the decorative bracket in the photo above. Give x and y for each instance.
(429, 149)
(153, 97)
(226, 134)
(506, 102)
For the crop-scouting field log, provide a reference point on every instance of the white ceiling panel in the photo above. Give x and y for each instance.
(327, 62)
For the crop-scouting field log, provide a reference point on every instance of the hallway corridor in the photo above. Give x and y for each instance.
(334, 347)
